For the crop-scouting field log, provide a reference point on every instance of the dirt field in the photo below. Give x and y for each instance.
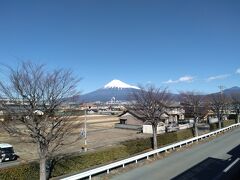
(100, 133)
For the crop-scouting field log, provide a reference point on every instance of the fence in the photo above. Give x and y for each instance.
(146, 155)
(128, 126)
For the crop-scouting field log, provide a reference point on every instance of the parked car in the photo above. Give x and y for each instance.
(7, 153)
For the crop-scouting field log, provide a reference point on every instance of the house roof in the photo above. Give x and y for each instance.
(139, 116)
(133, 113)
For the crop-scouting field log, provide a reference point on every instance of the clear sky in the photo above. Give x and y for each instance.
(181, 44)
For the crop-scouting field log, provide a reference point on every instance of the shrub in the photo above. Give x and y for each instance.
(137, 145)
(229, 122)
(172, 137)
(214, 126)
(72, 164)
(225, 123)
(22, 172)
(66, 165)
(140, 145)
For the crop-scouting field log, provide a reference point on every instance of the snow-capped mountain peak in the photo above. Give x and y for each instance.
(119, 84)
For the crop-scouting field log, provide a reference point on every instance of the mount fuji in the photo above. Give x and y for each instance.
(116, 89)
(122, 91)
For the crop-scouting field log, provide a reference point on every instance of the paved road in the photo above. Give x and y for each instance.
(203, 161)
(9, 164)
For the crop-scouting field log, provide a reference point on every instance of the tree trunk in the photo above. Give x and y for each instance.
(219, 123)
(49, 167)
(43, 174)
(195, 129)
(195, 126)
(154, 128)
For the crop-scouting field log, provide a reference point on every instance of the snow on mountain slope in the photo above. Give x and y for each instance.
(119, 90)
(119, 85)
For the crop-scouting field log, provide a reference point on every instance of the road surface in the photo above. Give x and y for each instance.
(9, 164)
(211, 160)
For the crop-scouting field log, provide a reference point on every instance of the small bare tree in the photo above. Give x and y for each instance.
(34, 97)
(218, 103)
(151, 103)
(235, 103)
(193, 102)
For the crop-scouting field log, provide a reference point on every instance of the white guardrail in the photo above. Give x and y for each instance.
(122, 163)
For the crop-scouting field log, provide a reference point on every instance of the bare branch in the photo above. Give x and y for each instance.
(194, 105)
(219, 104)
(33, 97)
(150, 103)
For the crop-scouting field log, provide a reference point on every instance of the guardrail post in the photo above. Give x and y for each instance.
(147, 157)
(108, 171)
(136, 161)
(90, 177)
(123, 165)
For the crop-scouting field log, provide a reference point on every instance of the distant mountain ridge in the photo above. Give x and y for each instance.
(232, 90)
(123, 92)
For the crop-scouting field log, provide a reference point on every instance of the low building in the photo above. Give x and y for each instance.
(175, 112)
(132, 120)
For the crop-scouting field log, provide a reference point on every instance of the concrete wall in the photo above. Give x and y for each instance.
(185, 126)
(127, 126)
(148, 129)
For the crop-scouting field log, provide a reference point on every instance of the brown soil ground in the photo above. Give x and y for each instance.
(100, 133)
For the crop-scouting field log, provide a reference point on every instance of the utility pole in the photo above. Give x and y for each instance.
(238, 111)
(85, 130)
(221, 87)
(223, 108)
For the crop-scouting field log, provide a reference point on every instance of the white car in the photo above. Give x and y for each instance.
(7, 152)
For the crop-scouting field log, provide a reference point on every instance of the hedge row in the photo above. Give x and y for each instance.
(229, 122)
(87, 160)
(22, 172)
(226, 123)
(77, 163)
(140, 145)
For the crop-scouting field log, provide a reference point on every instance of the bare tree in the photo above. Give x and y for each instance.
(235, 102)
(33, 96)
(151, 103)
(193, 103)
(218, 103)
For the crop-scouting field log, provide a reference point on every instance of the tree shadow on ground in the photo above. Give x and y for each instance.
(213, 168)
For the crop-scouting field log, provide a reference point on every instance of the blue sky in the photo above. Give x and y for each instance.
(184, 45)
